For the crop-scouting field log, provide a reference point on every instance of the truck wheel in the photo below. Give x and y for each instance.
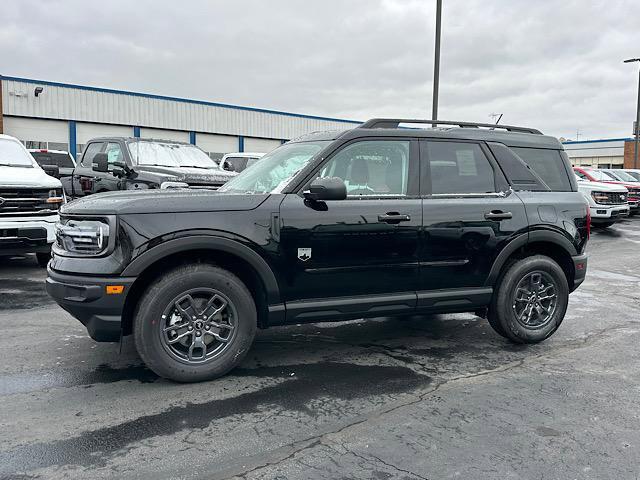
(195, 323)
(43, 259)
(530, 300)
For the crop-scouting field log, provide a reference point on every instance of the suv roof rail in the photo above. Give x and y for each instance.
(395, 122)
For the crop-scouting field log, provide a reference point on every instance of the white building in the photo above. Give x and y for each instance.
(64, 117)
(606, 153)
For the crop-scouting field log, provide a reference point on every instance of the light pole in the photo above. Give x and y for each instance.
(436, 62)
(637, 126)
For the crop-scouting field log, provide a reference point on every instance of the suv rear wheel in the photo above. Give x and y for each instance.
(530, 301)
(195, 323)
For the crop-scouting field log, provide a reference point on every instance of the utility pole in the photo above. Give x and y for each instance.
(636, 132)
(436, 62)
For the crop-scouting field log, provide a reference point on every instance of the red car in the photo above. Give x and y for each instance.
(596, 175)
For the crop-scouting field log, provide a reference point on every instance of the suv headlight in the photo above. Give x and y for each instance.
(84, 236)
(600, 197)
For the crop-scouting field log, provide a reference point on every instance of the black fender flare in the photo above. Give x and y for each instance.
(522, 240)
(208, 242)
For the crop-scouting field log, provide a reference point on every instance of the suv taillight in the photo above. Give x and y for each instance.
(588, 222)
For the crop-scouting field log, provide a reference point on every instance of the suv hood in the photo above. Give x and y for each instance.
(601, 187)
(191, 175)
(27, 177)
(161, 201)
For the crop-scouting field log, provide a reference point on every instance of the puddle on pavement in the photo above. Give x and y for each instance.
(343, 381)
(21, 383)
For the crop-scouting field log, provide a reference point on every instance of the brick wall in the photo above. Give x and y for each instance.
(628, 155)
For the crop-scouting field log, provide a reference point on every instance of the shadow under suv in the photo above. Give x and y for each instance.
(375, 221)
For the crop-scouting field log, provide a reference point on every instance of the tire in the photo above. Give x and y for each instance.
(43, 259)
(188, 288)
(509, 312)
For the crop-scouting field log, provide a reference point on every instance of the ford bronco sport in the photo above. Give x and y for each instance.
(375, 221)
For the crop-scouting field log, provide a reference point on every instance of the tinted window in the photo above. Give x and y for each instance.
(62, 160)
(375, 168)
(458, 167)
(548, 165)
(237, 164)
(90, 153)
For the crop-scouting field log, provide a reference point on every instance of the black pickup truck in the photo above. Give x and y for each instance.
(375, 221)
(121, 163)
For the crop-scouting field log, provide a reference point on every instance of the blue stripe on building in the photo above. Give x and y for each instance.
(192, 138)
(136, 132)
(240, 143)
(73, 149)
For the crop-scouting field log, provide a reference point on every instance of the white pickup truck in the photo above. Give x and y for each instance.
(29, 203)
(608, 202)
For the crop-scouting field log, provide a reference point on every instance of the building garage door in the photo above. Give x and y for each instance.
(36, 133)
(160, 134)
(260, 145)
(87, 131)
(217, 145)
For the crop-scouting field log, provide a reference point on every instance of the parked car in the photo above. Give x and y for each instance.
(58, 158)
(607, 202)
(29, 202)
(237, 162)
(377, 220)
(598, 175)
(120, 163)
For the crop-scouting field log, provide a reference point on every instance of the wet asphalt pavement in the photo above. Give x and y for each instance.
(422, 397)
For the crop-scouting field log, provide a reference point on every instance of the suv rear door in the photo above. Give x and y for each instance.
(469, 215)
(358, 255)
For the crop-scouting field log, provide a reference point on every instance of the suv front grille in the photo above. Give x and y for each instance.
(26, 201)
(610, 198)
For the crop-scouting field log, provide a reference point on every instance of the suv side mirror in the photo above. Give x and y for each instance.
(326, 188)
(226, 166)
(101, 163)
(51, 170)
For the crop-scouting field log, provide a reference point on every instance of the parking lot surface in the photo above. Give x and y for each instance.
(421, 397)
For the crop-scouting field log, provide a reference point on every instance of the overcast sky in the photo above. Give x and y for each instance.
(551, 64)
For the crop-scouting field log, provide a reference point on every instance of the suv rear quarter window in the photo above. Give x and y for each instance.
(459, 167)
(548, 165)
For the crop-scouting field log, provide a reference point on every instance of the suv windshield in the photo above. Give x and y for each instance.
(13, 155)
(169, 155)
(272, 173)
(622, 176)
(601, 176)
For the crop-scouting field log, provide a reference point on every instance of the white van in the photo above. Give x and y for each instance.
(29, 203)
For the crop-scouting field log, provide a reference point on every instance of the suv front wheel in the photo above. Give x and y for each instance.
(195, 323)
(530, 301)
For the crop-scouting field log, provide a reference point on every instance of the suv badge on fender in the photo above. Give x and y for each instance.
(304, 254)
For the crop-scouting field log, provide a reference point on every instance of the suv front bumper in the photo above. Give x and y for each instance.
(20, 235)
(86, 298)
(606, 212)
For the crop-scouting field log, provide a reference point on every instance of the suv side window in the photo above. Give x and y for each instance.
(548, 165)
(459, 167)
(372, 168)
(92, 150)
(114, 154)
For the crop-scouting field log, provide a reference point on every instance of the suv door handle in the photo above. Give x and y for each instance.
(393, 217)
(498, 215)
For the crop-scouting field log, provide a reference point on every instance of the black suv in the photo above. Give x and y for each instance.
(375, 221)
(121, 163)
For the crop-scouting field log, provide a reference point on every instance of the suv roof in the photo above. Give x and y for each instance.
(381, 127)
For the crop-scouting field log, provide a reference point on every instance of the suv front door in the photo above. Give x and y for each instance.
(363, 249)
(469, 215)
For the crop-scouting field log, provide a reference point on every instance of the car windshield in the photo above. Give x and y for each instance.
(274, 171)
(163, 154)
(600, 175)
(62, 160)
(623, 176)
(635, 175)
(12, 154)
